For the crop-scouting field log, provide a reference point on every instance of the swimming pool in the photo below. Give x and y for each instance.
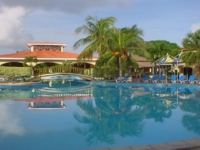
(89, 115)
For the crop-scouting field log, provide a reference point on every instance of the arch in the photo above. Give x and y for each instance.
(84, 65)
(13, 64)
(46, 64)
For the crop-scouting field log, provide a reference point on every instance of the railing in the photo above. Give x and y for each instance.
(62, 69)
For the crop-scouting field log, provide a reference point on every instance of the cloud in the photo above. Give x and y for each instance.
(9, 121)
(13, 35)
(69, 6)
(12, 29)
(195, 27)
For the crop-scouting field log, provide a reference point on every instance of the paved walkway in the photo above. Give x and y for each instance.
(193, 144)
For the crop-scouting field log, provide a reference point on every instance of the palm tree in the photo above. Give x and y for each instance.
(30, 61)
(192, 44)
(98, 32)
(122, 44)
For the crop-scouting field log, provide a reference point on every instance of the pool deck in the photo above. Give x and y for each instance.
(192, 144)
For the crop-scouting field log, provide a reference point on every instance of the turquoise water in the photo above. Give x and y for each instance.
(73, 116)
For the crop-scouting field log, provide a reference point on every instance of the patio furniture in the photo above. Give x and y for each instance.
(145, 78)
(123, 79)
(162, 78)
(182, 79)
(191, 79)
(173, 79)
(154, 79)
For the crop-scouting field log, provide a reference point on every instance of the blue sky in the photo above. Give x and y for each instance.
(23, 21)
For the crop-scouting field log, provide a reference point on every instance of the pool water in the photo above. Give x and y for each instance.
(88, 116)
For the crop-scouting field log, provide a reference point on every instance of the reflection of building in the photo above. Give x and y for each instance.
(46, 105)
(52, 101)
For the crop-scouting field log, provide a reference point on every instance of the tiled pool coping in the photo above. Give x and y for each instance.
(192, 144)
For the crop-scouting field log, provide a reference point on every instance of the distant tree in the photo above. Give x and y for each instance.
(160, 48)
(191, 44)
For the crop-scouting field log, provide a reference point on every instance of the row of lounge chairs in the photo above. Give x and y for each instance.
(162, 79)
(173, 79)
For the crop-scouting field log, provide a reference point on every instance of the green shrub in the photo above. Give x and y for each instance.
(15, 71)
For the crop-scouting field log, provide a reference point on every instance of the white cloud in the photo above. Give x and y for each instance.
(195, 27)
(12, 29)
(9, 121)
(69, 6)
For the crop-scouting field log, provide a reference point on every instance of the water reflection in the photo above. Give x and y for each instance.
(109, 115)
(48, 97)
(191, 120)
(106, 113)
(10, 121)
(124, 110)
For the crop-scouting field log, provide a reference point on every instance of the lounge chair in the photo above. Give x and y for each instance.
(173, 79)
(123, 79)
(162, 78)
(197, 81)
(154, 79)
(182, 79)
(191, 79)
(146, 78)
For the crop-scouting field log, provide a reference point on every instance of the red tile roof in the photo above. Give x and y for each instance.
(41, 54)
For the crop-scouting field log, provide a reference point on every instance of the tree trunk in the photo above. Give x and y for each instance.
(120, 67)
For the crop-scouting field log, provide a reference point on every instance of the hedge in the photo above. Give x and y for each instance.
(15, 71)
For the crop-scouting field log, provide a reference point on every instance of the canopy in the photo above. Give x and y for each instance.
(165, 60)
(178, 59)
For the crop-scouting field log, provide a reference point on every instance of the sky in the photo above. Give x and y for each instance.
(23, 21)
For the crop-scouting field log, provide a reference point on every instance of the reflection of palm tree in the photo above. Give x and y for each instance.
(110, 115)
(157, 109)
(98, 125)
(191, 121)
(190, 106)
